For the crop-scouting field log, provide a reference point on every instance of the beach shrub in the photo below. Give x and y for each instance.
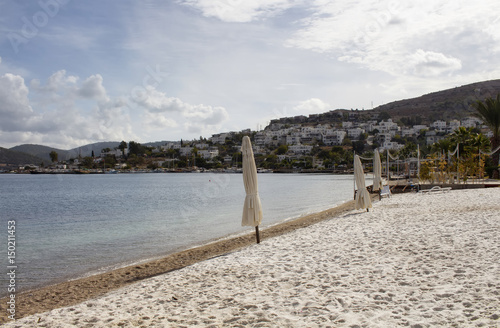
(425, 171)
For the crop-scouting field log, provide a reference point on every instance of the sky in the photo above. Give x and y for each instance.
(78, 72)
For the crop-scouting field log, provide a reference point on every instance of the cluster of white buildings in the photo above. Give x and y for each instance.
(299, 137)
(204, 150)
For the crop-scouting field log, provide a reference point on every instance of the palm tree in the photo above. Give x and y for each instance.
(489, 112)
(442, 146)
(462, 136)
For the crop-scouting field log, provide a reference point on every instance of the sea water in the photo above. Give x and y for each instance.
(67, 226)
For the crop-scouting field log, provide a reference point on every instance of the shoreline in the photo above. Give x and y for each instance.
(414, 260)
(82, 289)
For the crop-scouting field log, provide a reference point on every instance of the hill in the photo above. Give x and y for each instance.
(88, 149)
(13, 159)
(40, 151)
(442, 105)
(44, 151)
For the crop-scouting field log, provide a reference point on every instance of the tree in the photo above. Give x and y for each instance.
(384, 116)
(283, 149)
(443, 145)
(136, 148)
(88, 162)
(54, 156)
(462, 136)
(409, 150)
(122, 147)
(489, 112)
(358, 146)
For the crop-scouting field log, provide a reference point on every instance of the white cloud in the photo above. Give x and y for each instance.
(428, 63)
(206, 114)
(313, 105)
(240, 11)
(52, 114)
(15, 108)
(156, 101)
(388, 36)
(158, 121)
(92, 88)
(158, 105)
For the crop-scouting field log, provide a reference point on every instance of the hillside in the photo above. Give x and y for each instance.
(12, 159)
(44, 151)
(442, 105)
(95, 147)
(40, 151)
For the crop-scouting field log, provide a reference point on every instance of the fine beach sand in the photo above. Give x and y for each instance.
(414, 260)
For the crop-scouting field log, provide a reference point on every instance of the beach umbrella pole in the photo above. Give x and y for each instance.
(257, 235)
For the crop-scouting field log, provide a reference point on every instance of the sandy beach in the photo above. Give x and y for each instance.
(414, 260)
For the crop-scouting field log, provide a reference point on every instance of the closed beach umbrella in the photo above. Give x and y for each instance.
(252, 209)
(377, 172)
(362, 199)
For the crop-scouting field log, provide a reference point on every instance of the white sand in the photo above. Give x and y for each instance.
(414, 260)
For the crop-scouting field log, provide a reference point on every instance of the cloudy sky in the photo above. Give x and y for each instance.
(76, 72)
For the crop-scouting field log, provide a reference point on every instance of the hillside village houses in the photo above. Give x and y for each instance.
(299, 138)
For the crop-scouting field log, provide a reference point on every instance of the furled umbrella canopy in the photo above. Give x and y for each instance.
(377, 172)
(362, 199)
(252, 209)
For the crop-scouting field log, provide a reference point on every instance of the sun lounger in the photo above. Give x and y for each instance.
(435, 189)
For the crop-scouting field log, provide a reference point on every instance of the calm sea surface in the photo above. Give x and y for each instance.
(68, 226)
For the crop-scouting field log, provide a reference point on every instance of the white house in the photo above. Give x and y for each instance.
(219, 138)
(419, 128)
(390, 145)
(334, 138)
(407, 132)
(471, 122)
(293, 138)
(201, 146)
(208, 153)
(355, 133)
(439, 125)
(171, 145)
(387, 126)
(300, 149)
